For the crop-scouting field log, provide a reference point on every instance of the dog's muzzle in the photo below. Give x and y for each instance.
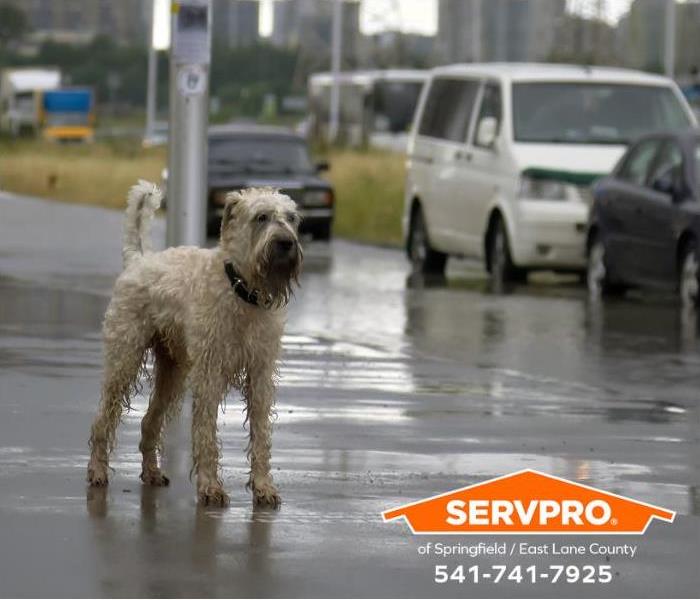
(284, 252)
(283, 248)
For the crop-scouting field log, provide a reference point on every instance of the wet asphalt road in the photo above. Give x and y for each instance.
(391, 391)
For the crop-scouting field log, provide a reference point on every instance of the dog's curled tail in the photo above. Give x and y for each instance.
(142, 202)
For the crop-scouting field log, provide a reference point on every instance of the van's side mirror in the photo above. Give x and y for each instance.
(486, 132)
(323, 165)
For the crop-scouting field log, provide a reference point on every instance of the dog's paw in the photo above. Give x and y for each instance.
(97, 476)
(213, 496)
(154, 477)
(267, 496)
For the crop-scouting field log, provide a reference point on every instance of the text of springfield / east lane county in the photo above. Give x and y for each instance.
(528, 549)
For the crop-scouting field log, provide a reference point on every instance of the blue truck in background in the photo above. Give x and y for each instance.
(68, 114)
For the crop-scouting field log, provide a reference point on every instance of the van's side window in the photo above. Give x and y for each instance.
(490, 107)
(448, 109)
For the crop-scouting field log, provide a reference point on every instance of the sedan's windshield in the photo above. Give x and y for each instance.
(592, 113)
(259, 155)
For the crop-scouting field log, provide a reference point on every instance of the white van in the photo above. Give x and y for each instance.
(501, 157)
(19, 109)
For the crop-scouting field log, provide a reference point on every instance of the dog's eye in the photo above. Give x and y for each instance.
(292, 218)
(262, 218)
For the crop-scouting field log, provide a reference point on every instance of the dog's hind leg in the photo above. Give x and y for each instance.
(167, 391)
(126, 339)
(259, 394)
(208, 390)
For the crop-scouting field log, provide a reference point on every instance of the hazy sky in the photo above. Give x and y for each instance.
(615, 8)
(420, 16)
(414, 16)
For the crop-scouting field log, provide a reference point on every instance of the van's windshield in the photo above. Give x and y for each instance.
(592, 113)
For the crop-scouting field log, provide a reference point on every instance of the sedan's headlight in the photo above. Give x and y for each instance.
(317, 198)
(219, 197)
(535, 188)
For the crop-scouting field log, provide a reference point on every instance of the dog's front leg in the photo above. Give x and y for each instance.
(259, 395)
(208, 391)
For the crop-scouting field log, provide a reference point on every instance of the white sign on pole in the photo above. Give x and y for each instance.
(190, 36)
(191, 80)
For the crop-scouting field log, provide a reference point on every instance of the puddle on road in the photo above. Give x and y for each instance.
(360, 414)
(28, 311)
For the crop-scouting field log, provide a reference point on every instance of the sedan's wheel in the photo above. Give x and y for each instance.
(596, 273)
(213, 226)
(322, 232)
(422, 256)
(688, 277)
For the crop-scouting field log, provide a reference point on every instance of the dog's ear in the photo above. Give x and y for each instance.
(232, 200)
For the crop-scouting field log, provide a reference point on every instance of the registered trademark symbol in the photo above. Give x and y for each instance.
(613, 521)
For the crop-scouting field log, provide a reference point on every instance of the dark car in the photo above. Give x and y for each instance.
(644, 228)
(252, 155)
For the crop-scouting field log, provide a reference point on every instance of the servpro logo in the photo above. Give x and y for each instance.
(528, 502)
(541, 512)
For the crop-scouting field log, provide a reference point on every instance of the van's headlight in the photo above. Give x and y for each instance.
(532, 188)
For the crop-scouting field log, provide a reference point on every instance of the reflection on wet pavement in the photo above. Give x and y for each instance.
(389, 393)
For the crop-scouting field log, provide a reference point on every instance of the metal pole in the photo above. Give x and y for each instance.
(476, 31)
(151, 91)
(670, 38)
(502, 52)
(336, 46)
(189, 116)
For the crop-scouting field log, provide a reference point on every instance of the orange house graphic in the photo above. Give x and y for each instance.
(528, 502)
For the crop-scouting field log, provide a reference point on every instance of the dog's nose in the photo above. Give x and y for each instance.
(284, 246)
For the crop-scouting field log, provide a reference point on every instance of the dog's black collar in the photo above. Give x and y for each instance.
(239, 286)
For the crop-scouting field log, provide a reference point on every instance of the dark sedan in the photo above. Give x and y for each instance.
(645, 220)
(251, 156)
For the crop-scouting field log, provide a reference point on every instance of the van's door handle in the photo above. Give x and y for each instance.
(459, 155)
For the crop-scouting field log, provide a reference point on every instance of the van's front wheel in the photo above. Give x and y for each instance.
(424, 259)
(500, 263)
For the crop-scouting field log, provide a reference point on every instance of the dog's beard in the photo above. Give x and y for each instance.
(278, 276)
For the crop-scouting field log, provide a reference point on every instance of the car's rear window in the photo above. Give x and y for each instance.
(593, 113)
(259, 155)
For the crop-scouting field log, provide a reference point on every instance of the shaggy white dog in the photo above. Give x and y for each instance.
(213, 318)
